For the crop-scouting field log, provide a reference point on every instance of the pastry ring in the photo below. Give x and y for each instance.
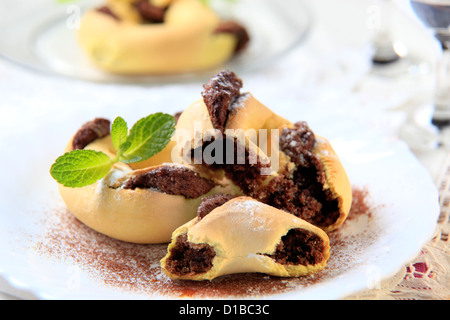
(138, 203)
(144, 37)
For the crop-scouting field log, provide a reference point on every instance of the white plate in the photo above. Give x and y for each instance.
(403, 200)
(41, 35)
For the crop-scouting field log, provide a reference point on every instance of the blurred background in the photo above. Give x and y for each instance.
(372, 61)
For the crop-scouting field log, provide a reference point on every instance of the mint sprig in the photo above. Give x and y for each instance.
(146, 138)
(150, 135)
(80, 168)
(119, 132)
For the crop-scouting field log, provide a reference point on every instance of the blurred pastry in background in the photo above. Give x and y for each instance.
(141, 37)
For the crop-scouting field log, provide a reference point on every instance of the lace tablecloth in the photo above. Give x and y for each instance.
(427, 276)
(331, 69)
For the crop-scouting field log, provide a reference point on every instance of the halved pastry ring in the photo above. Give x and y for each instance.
(244, 235)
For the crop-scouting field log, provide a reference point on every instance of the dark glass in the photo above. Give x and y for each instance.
(433, 14)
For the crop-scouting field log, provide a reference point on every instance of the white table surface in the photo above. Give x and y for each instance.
(335, 68)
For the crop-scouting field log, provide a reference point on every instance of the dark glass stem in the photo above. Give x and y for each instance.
(441, 115)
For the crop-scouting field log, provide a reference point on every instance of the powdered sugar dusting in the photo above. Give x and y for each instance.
(136, 268)
(247, 206)
(239, 102)
(252, 221)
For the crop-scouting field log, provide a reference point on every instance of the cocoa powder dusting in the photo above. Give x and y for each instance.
(136, 268)
(360, 206)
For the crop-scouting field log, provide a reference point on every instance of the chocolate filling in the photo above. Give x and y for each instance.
(219, 93)
(298, 143)
(91, 131)
(299, 247)
(177, 116)
(210, 203)
(107, 10)
(149, 12)
(236, 29)
(172, 180)
(313, 203)
(239, 164)
(155, 14)
(301, 194)
(187, 258)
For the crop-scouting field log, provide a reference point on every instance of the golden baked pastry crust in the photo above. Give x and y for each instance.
(336, 180)
(243, 234)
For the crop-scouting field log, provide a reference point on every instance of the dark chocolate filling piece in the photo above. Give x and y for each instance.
(187, 258)
(177, 116)
(299, 247)
(239, 31)
(149, 12)
(313, 203)
(172, 180)
(210, 203)
(91, 131)
(236, 161)
(302, 194)
(298, 143)
(219, 93)
(155, 14)
(107, 10)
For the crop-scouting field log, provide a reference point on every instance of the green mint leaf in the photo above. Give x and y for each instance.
(148, 137)
(119, 132)
(81, 168)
